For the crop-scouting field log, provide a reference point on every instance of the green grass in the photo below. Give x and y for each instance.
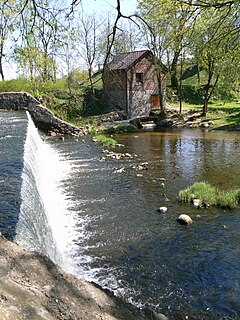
(209, 195)
(105, 141)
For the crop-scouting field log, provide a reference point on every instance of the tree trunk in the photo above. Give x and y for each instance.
(90, 79)
(173, 70)
(1, 71)
(1, 66)
(208, 92)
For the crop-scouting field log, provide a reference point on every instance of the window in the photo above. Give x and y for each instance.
(139, 78)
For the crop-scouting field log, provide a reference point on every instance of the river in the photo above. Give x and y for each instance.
(106, 223)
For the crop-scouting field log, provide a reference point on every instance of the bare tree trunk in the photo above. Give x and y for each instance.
(1, 70)
(173, 70)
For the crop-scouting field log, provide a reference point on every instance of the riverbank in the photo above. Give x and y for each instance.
(32, 287)
(188, 118)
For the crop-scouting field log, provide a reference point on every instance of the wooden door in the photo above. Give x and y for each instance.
(155, 101)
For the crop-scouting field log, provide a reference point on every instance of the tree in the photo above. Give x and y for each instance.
(168, 22)
(86, 37)
(216, 48)
(7, 11)
(40, 31)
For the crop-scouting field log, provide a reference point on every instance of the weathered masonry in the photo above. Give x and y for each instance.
(43, 118)
(131, 84)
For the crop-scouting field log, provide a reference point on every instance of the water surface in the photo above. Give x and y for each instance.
(108, 224)
(145, 256)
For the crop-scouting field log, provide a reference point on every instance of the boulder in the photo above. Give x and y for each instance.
(184, 219)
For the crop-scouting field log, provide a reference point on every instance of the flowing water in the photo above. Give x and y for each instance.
(60, 198)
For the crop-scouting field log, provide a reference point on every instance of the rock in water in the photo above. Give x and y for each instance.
(159, 316)
(163, 209)
(184, 219)
(196, 203)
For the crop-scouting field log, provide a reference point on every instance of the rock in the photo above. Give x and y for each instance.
(196, 203)
(184, 219)
(204, 125)
(140, 167)
(120, 170)
(159, 316)
(163, 209)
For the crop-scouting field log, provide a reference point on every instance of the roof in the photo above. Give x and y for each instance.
(126, 60)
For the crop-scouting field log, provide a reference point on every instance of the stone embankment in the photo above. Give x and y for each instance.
(43, 118)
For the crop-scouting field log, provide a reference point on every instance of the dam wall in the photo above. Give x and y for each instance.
(43, 118)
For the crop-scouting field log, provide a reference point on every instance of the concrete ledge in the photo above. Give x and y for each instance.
(43, 118)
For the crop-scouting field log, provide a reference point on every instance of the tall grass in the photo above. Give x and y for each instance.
(209, 195)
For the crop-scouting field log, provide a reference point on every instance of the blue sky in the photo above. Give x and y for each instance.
(106, 6)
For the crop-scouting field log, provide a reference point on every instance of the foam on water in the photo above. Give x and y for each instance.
(45, 223)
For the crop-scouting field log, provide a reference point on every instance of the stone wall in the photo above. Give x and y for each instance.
(43, 118)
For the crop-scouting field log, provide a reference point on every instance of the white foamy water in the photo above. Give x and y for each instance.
(45, 222)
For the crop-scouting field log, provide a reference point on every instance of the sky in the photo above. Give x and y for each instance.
(106, 6)
(100, 7)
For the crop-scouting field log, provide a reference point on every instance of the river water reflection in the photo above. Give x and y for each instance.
(146, 256)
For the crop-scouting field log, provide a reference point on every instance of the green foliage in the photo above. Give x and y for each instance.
(209, 195)
(16, 85)
(105, 141)
(191, 94)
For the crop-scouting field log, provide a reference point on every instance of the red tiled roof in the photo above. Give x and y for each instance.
(126, 60)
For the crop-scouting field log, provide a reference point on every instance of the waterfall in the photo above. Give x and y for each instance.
(45, 224)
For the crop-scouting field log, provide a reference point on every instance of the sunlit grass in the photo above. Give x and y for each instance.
(105, 141)
(209, 195)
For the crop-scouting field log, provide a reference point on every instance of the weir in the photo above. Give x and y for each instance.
(44, 222)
